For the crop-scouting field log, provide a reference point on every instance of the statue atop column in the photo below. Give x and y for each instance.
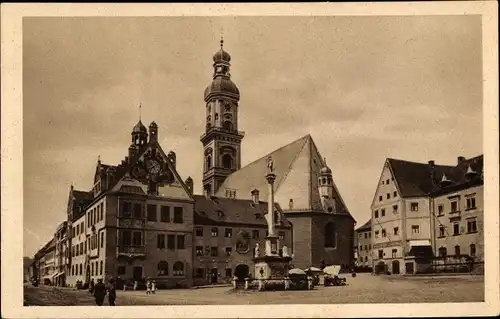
(270, 164)
(257, 250)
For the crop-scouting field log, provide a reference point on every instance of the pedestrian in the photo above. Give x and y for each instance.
(153, 286)
(111, 292)
(99, 292)
(148, 287)
(91, 286)
(135, 284)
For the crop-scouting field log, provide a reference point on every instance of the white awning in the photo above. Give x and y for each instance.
(421, 242)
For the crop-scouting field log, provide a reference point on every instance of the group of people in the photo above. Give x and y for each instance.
(100, 290)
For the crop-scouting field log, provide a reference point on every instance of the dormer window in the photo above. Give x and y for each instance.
(220, 214)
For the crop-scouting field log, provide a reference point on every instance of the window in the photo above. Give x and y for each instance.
(255, 234)
(213, 251)
(102, 239)
(376, 234)
(163, 268)
(72, 270)
(199, 273)
(160, 241)
(366, 247)
(472, 250)
(442, 252)
(384, 234)
(414, 207)
(376, 214)
(180, 242)
(360, 247)
(199, 250)
(199, 231)
(101, 268)
(370, 235)
(471, 226)
(81, 248)
(394, 209)
(415, 229)
(228, 233)
(457, 251)
(366, 258)
(440, 209)
(121, 270)
(388, 195)
(380, 198)
(281, 235)
(387, 182)
(382, 212)
(454, 206)
(102, 211)
(227, 161)
(137, 239)
(366, 235)
(126, 209)
(396, 231)
(394, 253)
(330, 235)
(380, 254)
(215, 232)
(471, 203)
(152, 213)
(81, 269)
(171, 241)
(456, 229)
(137, 210)
(229, 272)
(165, 214)
(369, 246)
(92, 269)
(178, 215)
(395, 194)
(228, 251)
(98, 217)
(77, 252)
(441, 231)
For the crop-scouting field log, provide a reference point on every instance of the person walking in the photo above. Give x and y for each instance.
(153, 286)
(111, 292)
(99, 292)
(148, 287)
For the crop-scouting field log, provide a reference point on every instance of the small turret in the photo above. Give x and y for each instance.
(325, 184)
(153, 132)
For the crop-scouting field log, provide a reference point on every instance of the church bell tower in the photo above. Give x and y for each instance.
(221, 140)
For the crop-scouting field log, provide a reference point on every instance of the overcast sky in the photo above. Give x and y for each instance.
(365, 88)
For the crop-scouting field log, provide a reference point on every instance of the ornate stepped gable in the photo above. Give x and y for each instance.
(298, 167)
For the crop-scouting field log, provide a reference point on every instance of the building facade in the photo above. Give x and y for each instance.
(403, 212)
(363, 247)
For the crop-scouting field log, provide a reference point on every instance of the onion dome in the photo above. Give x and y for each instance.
(222, 55)
(325, 169)
(222, 86)
(139, 128)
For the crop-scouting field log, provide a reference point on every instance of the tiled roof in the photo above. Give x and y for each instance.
(365, 226)
(420, 179)
(240, 211)
(297, 166)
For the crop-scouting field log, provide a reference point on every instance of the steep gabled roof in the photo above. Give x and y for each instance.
(238, 211)
(366, 226)
(297, 167)
(420, 179)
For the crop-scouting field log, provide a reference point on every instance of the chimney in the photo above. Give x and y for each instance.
(290, 204)
(432, 173)
(460, 159)
(255, 196)
(431, 164)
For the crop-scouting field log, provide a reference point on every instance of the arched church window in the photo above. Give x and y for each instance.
(330, 235)
(209, 118)
(324, 181)
(216, 116)
(227, 161)
(227, 125)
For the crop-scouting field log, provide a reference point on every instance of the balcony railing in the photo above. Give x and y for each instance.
(131, 250)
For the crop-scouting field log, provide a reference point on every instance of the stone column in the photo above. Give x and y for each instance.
(271, 177)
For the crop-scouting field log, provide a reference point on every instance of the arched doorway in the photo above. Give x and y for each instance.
(241, 272)
(395, 267)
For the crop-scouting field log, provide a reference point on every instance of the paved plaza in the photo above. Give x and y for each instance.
(364, 288)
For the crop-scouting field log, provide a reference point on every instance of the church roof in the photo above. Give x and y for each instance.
(415, 179)
(217, 210)
(297, 168)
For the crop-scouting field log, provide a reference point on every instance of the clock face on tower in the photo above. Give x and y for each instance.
(153, 166)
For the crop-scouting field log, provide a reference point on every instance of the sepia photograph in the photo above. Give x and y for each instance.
(232, 159)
